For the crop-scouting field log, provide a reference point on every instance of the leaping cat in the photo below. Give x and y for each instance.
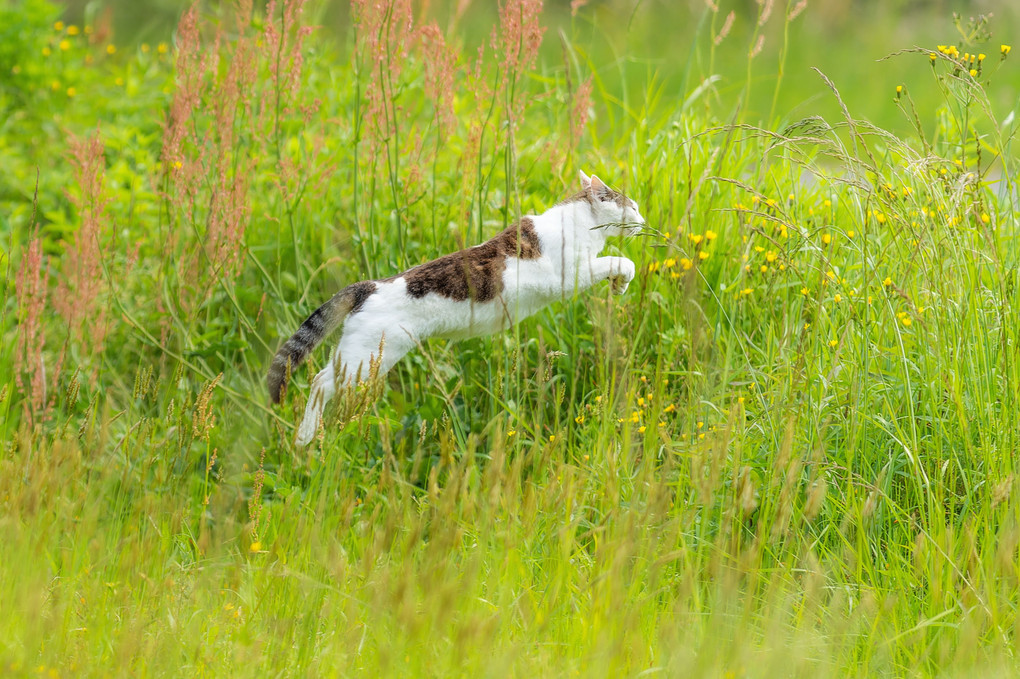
(477, 291)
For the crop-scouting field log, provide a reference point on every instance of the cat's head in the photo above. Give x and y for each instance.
(614, 212)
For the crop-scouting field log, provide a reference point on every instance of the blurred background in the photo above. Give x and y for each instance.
(669, 42)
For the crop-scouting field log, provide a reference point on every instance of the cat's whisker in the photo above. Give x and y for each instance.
(645, 230)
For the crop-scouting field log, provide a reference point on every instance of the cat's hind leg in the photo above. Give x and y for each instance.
(354, 358)
(323, 389)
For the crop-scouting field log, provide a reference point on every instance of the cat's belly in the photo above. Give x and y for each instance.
(474, 319)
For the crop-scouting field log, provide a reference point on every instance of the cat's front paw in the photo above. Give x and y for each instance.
(620, 280)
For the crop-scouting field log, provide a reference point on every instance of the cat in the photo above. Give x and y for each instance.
(477, 291)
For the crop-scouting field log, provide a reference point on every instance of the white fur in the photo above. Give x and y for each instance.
(571, 236)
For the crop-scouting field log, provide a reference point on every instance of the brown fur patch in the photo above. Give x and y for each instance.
(585, 196)
(475, 273)
(358, 293)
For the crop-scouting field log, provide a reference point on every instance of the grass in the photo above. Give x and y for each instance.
(788, 450)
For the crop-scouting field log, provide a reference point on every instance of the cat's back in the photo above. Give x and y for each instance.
(476, 273)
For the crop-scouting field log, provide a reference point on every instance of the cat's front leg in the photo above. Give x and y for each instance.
(619, 271)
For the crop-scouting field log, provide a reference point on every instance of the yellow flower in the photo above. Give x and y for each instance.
(985, 218)
(579, 419)
(162, 48)
(696, 238)
(58, 26)
(685, 263)
(669, 263)
(827, 203)
(931, 55)
(145, 47)
(973, 73)
(552, 438)
(804, 291)
(831, 274)
(670, 408)
(887, 282)
(641, 401)
(700, 425)
(906, 321)
(511, 433)
(838, 298)
(54, 85)
(763, 268)
(65, 45)
(746, 291)
(1004, 50)
(826, 238)
(111, 48)
(770, 256)
(981, 57)
(73, 30)
(850, 234)
(899, 90)
(177, 165)
(641, 429)
(833, 343)
(711, 235)
(666, 235)
(740, 399)
(702, 255)
(255, 547)
(880, 217)
(71, 91)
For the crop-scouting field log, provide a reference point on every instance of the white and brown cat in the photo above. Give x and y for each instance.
(477, 291)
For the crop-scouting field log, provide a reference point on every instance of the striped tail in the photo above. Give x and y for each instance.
(322, 322)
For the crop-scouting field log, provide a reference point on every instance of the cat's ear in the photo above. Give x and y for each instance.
(598, 188)
(585, 180)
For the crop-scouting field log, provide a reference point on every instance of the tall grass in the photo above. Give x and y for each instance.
(789, 450)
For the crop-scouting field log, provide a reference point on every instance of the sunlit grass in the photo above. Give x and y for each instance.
(788, 450)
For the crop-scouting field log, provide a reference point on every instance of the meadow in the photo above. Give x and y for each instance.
(790, 450)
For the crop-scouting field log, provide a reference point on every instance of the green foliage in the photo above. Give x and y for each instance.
(25, 28)
(787, 451)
